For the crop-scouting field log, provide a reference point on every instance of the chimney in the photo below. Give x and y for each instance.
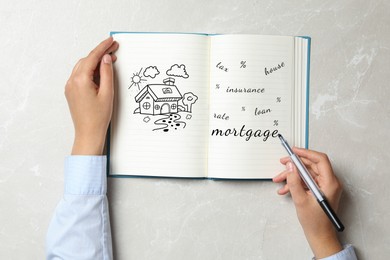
(169, 81)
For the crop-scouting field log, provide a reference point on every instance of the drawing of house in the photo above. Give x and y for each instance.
(158, 99)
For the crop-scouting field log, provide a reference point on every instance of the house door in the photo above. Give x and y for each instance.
(165, 109)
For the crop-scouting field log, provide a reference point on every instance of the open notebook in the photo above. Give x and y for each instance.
(207, 106)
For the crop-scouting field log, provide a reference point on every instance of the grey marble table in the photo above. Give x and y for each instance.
(188, 219)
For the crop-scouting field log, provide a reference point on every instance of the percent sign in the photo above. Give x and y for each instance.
(278, 99)
(217, 86)
(276, 122)
(243, 64)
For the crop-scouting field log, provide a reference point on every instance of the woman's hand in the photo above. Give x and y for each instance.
(90, 95)
(317, 227)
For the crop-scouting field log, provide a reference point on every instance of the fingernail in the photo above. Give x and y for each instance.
(289, 166)
(107, 59)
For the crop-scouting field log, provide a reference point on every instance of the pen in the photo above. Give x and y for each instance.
(312, 185)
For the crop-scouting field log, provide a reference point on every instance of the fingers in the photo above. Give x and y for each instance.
(283, 176)
(294, 182)
(317, 163)
(112, 48)
(88, 69)
(284, 160)
(314, 156)
(319, 167)
(284, 190)
(96, 54)
(106, 76)
(308, 157)
(91, 62)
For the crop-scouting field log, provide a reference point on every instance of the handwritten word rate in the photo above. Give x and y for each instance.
(220, 116)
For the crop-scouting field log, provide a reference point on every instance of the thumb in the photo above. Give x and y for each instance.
(295, 185)
(106, 76)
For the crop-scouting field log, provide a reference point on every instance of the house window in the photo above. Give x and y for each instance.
(146, 105)
(173, 106)
(156, 107)
(167, 90)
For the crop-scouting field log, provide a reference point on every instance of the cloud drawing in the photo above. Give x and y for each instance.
(178, 71)
(151, 72)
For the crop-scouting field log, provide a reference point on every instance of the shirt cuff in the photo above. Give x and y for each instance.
(85, 175)
(348, 253)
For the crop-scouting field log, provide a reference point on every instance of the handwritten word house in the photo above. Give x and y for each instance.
(158, 99)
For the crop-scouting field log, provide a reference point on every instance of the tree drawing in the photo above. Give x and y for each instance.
(188, 100)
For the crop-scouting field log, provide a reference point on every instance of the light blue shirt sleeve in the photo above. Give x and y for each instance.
(348, 253)
(80, 227)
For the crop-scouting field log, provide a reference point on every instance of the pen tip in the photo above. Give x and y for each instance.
(279, 135)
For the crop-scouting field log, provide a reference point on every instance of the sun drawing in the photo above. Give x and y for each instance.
(136, 79)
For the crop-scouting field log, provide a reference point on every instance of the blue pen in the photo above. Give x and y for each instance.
(312, 185)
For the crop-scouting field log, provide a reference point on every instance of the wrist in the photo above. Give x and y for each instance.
(324, 246)
(88, 145)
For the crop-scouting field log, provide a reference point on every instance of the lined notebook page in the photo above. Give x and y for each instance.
(251, 91)
(161, 107)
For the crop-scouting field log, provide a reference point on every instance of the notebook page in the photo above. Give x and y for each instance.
(161, 107)
(251, 89)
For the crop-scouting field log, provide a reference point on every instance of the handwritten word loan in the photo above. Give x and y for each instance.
(259, 111)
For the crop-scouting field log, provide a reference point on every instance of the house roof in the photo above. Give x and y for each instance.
(160, 92)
